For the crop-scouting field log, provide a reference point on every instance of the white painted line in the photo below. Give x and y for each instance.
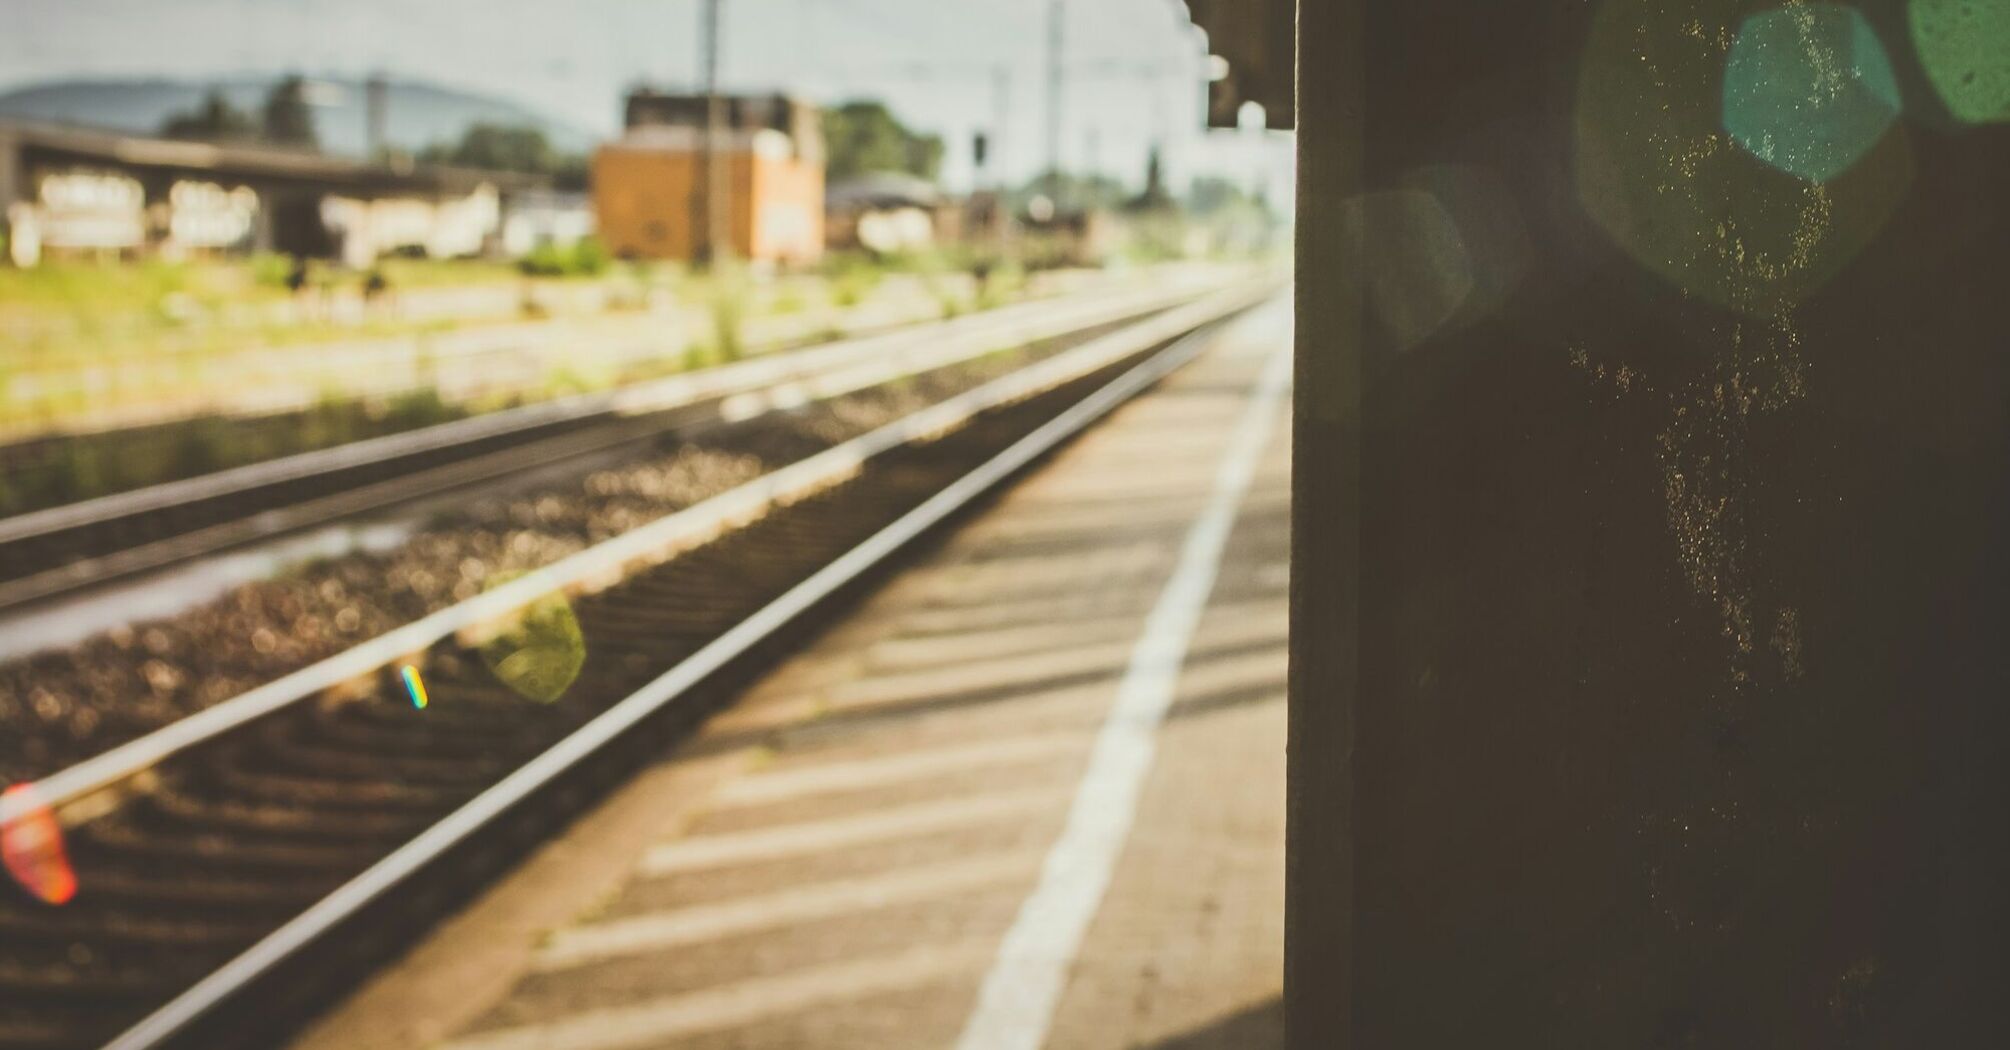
(900, 767)
(1015, 1006)
(657, 1022)
(659, 931)
(886, 825)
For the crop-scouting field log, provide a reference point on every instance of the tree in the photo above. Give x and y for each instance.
(216, 120)
(1070, 191)
(863, 136)
(498, 147)
(1212, 194)
(287, 118)
(1155, 197)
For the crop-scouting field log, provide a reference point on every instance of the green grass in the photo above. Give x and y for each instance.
(443, 273)
(81, 340)
(788, 300)
(584, 259)
(94, 286)
(52, 471)
(853, 277)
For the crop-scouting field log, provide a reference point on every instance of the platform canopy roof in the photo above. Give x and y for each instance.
(1258, 40)
(241, 162)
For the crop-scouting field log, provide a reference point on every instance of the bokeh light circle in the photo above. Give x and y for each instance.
(31, 846)
(1659, 172)
(1414, 265)
(1442, 249)
(537, 651)
(1808, 89)
(1964, 47)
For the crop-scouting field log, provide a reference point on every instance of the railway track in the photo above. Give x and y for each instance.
(239, 868)
(64, 549)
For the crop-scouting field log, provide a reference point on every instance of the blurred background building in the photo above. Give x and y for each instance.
(649, 185)
(80, 191)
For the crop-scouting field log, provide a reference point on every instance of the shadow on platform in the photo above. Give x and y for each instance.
(1257, 1028)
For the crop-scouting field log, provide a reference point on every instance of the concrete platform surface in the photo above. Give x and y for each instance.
(1029, 795)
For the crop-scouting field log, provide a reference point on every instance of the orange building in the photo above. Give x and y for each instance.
(644, 189)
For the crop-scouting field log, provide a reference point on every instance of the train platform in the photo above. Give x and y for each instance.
(1029, 794)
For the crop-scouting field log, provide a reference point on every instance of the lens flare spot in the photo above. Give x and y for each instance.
(1658, 170)
(1964, 46)
(415, 687)
(1413, 259)
(1808, 89)
(31, 844)
(538, 650)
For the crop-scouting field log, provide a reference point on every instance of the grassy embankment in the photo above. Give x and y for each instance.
(80, 336)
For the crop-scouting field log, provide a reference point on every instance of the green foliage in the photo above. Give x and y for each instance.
(589, 257)
(83, 469)
(1156, 236)
(498, 147)
(1155, 198)
(198, 447)
(1211, 195)
(434, 273)
(1071, 192)
(1000, 283)
(585, 258)
(932, 265)
(863, 136)
(914, 260)
(418, 408)
(1039, 251)
(270, 269)
(216, 120)
(564, 380)
(789, 300)
(699, 355)
(850, 290)
(729, 308)
(286, 117)
(852, 277)
(67, 468)
(332, 421)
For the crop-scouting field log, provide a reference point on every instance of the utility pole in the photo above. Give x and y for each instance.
(1001, 112)
(709, 205)
(376, 117)
(1057, 11)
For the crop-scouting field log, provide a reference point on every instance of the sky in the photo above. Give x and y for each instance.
(1135, 64)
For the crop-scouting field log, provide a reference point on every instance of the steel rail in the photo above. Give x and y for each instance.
(737, 392)
(327, 916)
(75, 792)
(1022, 321)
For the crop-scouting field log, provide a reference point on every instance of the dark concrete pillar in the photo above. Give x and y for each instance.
(1325, 664)
(1652, 578)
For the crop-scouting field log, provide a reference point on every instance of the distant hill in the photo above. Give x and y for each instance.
(419, 114)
